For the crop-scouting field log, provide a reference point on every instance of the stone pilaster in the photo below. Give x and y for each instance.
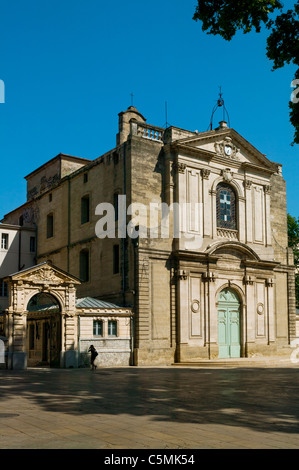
(212, 315)
(267, 190)
(250, 313)
(292, 304)
(248, 196)
(19, 354)
(242, 220)
(206, 203)
(270, 306)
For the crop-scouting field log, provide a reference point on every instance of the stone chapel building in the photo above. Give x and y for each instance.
(219, 285)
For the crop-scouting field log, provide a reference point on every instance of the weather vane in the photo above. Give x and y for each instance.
(219, 104)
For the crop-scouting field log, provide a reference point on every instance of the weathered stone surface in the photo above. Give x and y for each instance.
(173, 283)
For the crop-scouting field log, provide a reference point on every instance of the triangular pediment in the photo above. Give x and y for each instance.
(228, 144)
(44, 273)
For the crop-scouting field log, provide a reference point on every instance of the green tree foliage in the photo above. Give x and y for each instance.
(293, 236)
(226, 17)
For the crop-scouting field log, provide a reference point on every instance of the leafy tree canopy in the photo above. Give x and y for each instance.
(226, 17)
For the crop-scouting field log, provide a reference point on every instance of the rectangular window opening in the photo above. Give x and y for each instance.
(4, 241)
(115, 259)
(32, 244)
(3, 289)
(84, 265)
(112, 328)
(97, 328)
(31, 337)
(50, 225)
(85, 210)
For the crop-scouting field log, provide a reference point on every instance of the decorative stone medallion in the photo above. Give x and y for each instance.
(226, 148)
(260, 308)
(195, 306)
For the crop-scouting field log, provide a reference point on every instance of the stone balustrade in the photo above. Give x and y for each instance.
(150, 132)
(227, 233)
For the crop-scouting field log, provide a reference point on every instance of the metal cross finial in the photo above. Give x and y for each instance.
(220, 101)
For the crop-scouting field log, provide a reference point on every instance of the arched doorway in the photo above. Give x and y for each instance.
(43, 331)
(229, 327)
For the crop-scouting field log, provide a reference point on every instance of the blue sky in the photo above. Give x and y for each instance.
(69, 67)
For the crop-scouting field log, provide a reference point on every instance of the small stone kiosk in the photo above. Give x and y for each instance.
(43, 323)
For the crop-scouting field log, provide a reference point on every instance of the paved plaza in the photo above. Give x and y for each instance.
(150, 408)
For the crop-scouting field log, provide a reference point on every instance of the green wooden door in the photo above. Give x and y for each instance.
(229, 336)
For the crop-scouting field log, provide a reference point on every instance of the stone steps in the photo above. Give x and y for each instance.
(239, 362)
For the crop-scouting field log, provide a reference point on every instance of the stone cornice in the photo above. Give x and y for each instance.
(253, 166)
(176, 146)
(218, 134)
(89, 312)
(188, 143)
(213, 157)
(261, 264)
(194, 255)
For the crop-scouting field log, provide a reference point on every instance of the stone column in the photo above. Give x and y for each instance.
(242, 220)
(170, 181)
(212, 316)
(292, 304)
(270, 313)
(19, 350)
(182, 199)
(183, 320)
(207, 221)
(9, 335)
(62, 352)
(70, 329)
(250, 314)
(247, 185)
(267, 215)
(214, 214)
(70, 341)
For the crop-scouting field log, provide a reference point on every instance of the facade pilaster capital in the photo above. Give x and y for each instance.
(205, 173)
(182, 275)
(208, 276)
(179, 167)
(267, 189)
(247, 184)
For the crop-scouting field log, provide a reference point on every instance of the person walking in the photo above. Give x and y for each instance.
(94, 354)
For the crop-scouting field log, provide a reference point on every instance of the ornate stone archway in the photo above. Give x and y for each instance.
(43, 278)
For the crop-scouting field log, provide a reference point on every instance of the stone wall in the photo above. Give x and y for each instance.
(112, 351)
(279, 218)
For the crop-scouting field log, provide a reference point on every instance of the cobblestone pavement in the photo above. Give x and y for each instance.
(150, 408)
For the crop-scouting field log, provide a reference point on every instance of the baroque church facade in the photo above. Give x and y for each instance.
(219, 285)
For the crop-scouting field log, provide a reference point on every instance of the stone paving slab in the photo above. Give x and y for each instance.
(150, 408)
